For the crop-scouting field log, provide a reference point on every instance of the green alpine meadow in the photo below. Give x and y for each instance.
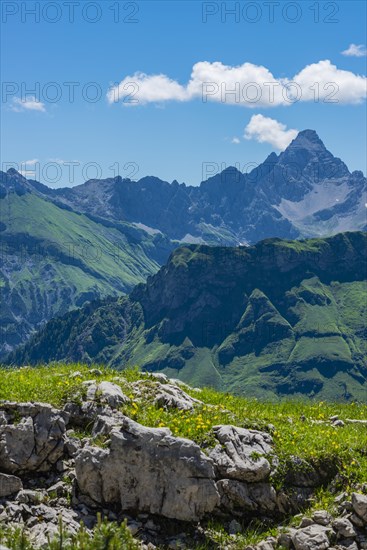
(278, 319)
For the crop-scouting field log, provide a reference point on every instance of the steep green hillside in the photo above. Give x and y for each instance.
(54, 259)
(279, 318)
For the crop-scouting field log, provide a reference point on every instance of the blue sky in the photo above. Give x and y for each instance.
(171, 132)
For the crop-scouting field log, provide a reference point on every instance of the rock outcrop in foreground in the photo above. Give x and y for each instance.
(148, 470)
(126, 470)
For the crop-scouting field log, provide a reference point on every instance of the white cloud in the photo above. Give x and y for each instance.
(268, 130)
(57, 160)
(28, 168)
(235, 140)
(62, 161)
(142, 88)
(27, 104)
(247, 85)
(355, 50)
(324, 82)
(31, 162)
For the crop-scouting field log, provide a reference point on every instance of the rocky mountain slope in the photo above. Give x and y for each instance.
(278, 318)
(304, 191)
(54, 259)
(63, 247)
(167, 466)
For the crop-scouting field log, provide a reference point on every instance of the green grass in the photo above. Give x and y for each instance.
(108, 253)
(105, 536)
(297, 428)
(310, 439)
(198, 371)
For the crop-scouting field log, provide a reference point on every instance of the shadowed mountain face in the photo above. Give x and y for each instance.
(278, 318)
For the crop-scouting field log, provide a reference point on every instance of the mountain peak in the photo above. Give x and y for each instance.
(12, 181)
(272, 158)
(13, 173)
(308, 139)
(311, 135)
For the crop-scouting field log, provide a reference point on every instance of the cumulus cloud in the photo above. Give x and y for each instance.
(235, 140)
(268, 130)
(27, 104)
(355, 50)
(324, 82)
(142, 88)
(247, 85)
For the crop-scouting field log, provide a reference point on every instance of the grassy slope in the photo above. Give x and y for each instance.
(329, 332)
(106, 251)
(308, 439)
(54, 260)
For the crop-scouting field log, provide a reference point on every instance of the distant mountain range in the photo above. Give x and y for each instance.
(304, 191)
(278, 318)
(64, 247)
